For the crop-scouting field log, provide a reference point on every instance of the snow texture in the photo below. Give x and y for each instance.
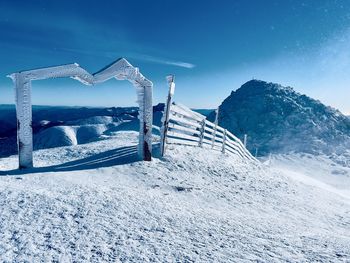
(93, 202)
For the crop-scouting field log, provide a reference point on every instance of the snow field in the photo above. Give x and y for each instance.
(191, 206)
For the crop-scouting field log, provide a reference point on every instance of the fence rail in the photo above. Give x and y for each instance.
(185, 127)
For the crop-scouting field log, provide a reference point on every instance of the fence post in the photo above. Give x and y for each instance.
(245, 140)
(24, 120)
(215, 127)
(224, 142)
(201, 133)
(165, 119)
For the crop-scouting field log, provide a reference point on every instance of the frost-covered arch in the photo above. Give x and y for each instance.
(120, 69)
(123, 70)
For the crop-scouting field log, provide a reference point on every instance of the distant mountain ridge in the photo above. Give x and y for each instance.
(55, 126)
(279, 119)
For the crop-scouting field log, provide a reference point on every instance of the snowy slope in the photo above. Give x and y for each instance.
(193, 205)
(320, 171)
(55, 137)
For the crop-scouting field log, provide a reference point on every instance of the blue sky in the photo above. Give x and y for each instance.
(212, 47)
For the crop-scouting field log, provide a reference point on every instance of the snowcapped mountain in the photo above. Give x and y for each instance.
(279, 119)
(67, 126)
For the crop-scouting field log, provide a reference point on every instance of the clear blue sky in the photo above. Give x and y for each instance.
(211, 46)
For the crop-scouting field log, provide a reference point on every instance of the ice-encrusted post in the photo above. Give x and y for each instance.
(215, 127)
(201, 133)
(165, 118)
(224, 142)
(245, 140)
(146, 120)
(24, 120)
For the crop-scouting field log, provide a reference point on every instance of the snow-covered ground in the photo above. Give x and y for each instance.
(96, 202)
(318, 171)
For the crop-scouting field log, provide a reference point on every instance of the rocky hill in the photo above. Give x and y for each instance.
(279, 119)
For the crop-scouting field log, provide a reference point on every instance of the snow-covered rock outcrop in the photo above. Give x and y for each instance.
(278, 119)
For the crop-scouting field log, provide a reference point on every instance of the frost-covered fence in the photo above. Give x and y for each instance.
(186, 127)
(165, 120)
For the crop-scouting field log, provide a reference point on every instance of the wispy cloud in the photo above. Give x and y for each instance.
(163, 61)
(136, 56)
(179, 64)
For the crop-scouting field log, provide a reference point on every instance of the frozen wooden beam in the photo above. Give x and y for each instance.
(24, 121)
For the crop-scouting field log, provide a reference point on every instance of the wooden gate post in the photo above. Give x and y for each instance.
(24, 120)
(201, 133)
(147, 119)
(224, 142)
(215, 127)
(165, 119)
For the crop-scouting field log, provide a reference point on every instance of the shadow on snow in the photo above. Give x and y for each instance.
(120, 156)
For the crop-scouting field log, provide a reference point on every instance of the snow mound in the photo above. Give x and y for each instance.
(55, 137)
(59, 136)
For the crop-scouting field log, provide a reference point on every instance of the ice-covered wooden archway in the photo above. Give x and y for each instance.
(120, 69)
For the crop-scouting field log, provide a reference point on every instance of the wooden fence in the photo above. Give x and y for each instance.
(183, 126)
